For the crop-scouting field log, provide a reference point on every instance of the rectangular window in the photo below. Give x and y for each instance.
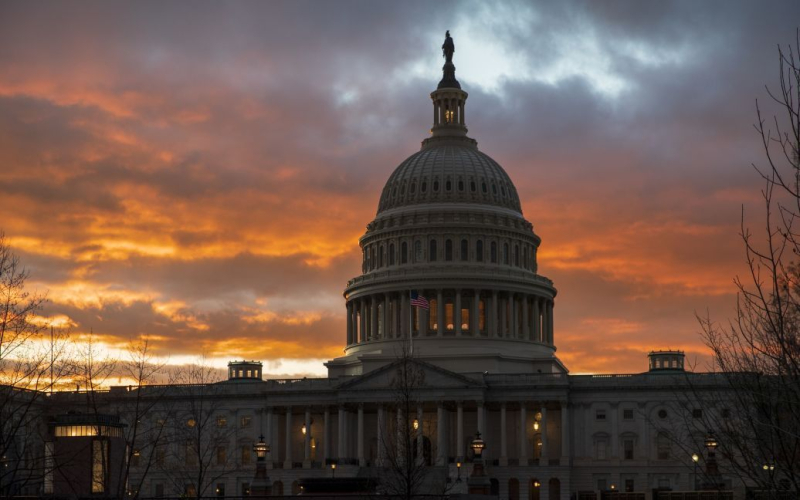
(627, 414)
(627, 446)
(161, 457)
(190, 455)
(600, 415)
(222, 455)
(601, 448)
(246, 455)
(448, 314)
(697, 413)
(245, 421)
(629, 488)
(99, 465)
(135, 458)
(433, 315)
(189, 491)
(222, 421)
(158, 490)
(465, 319)
(602, 485)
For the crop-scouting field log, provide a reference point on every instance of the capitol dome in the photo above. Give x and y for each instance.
(449, 267)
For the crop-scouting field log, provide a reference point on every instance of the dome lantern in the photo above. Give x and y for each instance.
(448, 98)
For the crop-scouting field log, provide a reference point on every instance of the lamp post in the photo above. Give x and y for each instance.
(261, 486)
(695, 459)
(478, 483)
(712, 471)
(458, 468)
(333, 470)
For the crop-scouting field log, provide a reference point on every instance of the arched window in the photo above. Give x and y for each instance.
(479, 251)
(364, 260)
(505, 253)
(448, 250)
(493, 251)
(525, 257)
(448, 185)
(417, 251)
(436, 185)
(432, 251)
(516, 255)
(404, 253)
(460, 185)
(424, 186)
(472, 186)
(483, 188)
(412, 188)
(391, 254)
(464, 250)
(380, 256)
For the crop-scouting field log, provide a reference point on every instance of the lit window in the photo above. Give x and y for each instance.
(245, 421)
(191, 422)
(99, 465)
(222, 455)
(222, 421)
(449, 116)
(135, 458)
(246, 452)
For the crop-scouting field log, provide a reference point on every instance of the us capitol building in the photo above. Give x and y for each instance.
(449, 227)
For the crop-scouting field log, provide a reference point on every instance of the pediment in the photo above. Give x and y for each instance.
(431, 377)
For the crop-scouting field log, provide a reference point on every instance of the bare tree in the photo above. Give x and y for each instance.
(201, 436)
(407, 472)
(29, 368)
(755, 411)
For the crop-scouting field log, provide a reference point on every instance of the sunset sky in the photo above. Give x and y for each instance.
(200, 172)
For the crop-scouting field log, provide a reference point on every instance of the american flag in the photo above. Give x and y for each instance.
(418, 300)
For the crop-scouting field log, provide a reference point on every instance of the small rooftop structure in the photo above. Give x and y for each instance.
(666, 361)
(244, 370)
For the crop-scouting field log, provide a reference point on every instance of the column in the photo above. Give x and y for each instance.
(614, 431)
(400, 438)
(514, 323)
(544, 457)
(363, 321)
(476, 314)
(589, 421)
(439, 313)
(340, 437)
(373, 318)
(326, 436)
(287, 462)
(457, 313)
(381, 437)
(420, 438)
(503, 314)
(565, 452)
(270, 434)
(405, 316)
(526, 322)
(523, 435)
(503, 437)
(481, 411)
(349, 322)
(460, 431)
(386, 301)
(307, 441)
(441, 439)
(360, 436)
(550, 321)
(493, 324)
(537, 325)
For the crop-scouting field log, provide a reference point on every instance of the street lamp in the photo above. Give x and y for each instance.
(478, 482)
(333, 469)
(695, 459)
(711, 464)
(478, 445)
(458, 468)
(261, 486)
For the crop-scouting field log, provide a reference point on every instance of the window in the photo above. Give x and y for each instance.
(697, 413)
(417, 251)
(433, 314)
(629, 488)
(472, 186)
(516, 255)
(245, 489)
(245, 454)
(222, 455)
(432, 251)
(479, 251)
(602, 485)
(380, 256)
(464, 250)
(627, 414)
(189, 455)
(726, 413)
(436, 186)
(391, 254)
(505, 253)
(404, 253)
(600, 415)
(222, 421)
(192, 422)
(663, 446)
(493, 252)
(161, 456)
(448, 186)
(448, 250)
(448, 313)
(424, 186)
(135, 457)
(601, 448)
(189, 491)
(662, 414)
(99, 465)
(158, 490)
(627, 449)
(460, 185)
(245, 421)
(220, 490)
(413, 188)
(483, 188)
